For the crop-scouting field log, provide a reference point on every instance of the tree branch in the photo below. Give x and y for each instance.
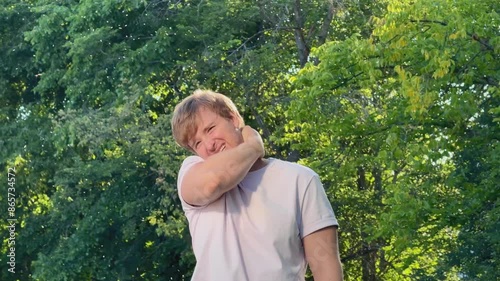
(299, 34)
(364, 251)
(481, 41)
(326, 23)
(430, 21)
(257, 34)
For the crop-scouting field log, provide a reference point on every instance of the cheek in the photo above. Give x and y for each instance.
(202, 154)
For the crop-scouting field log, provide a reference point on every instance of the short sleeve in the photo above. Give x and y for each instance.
(316, 210)
(189, 162)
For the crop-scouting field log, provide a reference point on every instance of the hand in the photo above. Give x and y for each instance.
(253, 138)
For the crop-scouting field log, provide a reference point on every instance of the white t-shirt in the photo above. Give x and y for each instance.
(254, 231)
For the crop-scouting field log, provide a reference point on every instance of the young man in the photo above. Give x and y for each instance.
(250, 218)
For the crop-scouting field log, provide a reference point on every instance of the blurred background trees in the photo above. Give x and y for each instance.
(394, 103)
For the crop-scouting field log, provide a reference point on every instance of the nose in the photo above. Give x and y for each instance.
(210, 145)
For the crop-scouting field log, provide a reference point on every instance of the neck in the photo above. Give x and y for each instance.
(260, 163)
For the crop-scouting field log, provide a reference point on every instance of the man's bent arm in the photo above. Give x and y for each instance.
(206, 181)
(321, 250)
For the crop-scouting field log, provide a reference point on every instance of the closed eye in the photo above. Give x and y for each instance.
(210, 129)
(195, 145)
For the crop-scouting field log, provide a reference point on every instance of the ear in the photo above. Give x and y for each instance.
(236, 120)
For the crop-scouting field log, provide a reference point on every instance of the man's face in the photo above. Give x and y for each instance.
(214, 134)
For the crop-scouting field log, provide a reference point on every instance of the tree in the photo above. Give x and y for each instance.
(395, 105)
(92, 84)
(387, 119)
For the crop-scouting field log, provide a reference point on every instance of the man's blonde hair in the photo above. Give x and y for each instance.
(184, 118)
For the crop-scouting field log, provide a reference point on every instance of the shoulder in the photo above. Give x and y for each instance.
(190, 160)
(293, 168)
(188, 163)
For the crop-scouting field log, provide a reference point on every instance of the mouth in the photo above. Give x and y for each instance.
(222, 148)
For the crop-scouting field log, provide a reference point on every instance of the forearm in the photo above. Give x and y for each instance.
(206, 181)
(227, 168)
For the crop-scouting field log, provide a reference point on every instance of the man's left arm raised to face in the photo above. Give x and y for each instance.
(322, 254)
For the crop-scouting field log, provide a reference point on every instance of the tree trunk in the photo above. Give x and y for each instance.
(298, 31)
(368, 260)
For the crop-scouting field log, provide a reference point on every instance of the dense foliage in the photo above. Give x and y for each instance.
(394, 103)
